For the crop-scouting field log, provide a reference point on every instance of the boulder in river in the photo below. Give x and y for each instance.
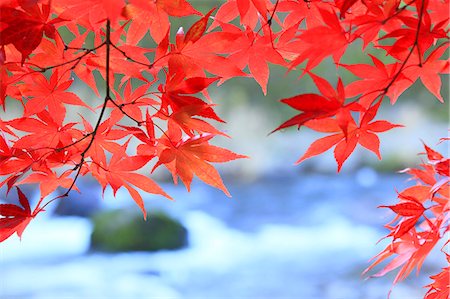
(121, 231)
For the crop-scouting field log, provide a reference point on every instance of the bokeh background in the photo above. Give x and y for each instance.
(289, 231)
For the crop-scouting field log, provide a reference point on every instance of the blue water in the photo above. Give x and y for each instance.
(303, 236)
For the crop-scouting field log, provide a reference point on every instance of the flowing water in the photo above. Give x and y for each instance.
(299, 237)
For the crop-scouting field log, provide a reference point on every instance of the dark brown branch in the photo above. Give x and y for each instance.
(80, 164)
(268, 23)
(415, 44)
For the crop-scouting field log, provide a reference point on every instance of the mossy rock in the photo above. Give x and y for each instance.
(122, 230)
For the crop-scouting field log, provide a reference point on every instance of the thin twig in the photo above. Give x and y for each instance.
(120, 107)
(131, 59)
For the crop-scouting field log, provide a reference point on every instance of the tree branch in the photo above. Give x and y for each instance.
(80, 164)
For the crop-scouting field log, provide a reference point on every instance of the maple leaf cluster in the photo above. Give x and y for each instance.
(38, 66)
(421, 221)
(156, 77)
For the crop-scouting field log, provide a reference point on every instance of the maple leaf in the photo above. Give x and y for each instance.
(439, 162)
(16, 164)
(105, 139)
(346, 141)
(118, 63)
(345, 5)
(377, 79)
(410, 247)
(314, 106)
(299, 11)
(186, 157)
(439, 288)
(251, 46)
(377, 17)
(13, 218)
(149, 146)
(50, 52)
(46, 132)
(9, 73)
(131, 101)
(184, 118)
(411, 210)
(154, 15)
(49, 181)
(429, 70)
(89, 13)
(50, 93)
(183, 107)
(319, 42)
(196, 52)
(408, 37)
(25, 28)
(120, 172)
(411, 250)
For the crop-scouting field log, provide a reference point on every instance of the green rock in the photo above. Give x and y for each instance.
(122, 230)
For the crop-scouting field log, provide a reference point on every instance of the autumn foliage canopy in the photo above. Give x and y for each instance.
(154, 111)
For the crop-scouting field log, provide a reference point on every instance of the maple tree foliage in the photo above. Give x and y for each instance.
(163, 91)
(420, 222)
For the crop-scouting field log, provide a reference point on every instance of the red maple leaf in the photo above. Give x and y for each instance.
(410, 210)
(317, 43)
(13, 218)
(45, 132)
(314, 106)
(411, 250)
(50, 93)
(439, 288)
(154, 15)
(376, 17)
(131, 102)
(120, 172)
(196, 52)
(407, 36)
(186, 157)
(105, 139)
(379, 79)
(429, 70)
(49, 181)
(249, 11)
(345, 142)
(25, 28)
(179, 106)
(90, 13)
(256, 51)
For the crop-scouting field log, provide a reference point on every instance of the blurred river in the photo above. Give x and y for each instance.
(303, 236)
